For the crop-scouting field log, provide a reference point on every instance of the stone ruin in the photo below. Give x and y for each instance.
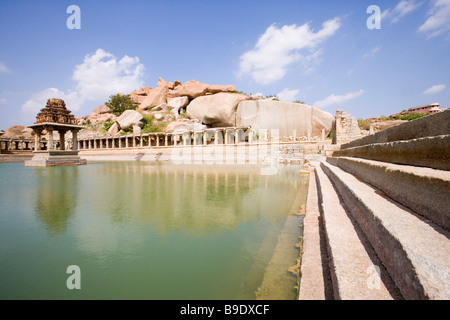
(345, 128)
(55, 112)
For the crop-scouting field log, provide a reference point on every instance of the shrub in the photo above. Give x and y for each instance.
(119, 103)
(412, 116)
(363, 124)
(152, 126)
(108, 125)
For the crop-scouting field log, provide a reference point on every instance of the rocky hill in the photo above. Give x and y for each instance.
(173, 106)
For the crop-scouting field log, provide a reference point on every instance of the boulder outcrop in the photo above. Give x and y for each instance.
(129, 118)
(216, 110)
(184, 125)
(286, 117)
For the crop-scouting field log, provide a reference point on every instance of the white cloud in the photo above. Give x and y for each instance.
(438, 21)
(99, 76)
(278, 48)
(3, 100)
(435, 89)
(337, 99)
(401, 9)
(288, 95)
(38, 101)
(4, 68)
(372, 52)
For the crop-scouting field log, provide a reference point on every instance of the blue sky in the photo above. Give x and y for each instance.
(319, 52)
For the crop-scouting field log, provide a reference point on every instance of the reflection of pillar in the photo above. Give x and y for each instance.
(216, 136)
(75, 140)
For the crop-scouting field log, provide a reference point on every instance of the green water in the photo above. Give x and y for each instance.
(144, 230)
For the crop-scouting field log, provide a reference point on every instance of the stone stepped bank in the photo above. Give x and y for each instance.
(377, 222)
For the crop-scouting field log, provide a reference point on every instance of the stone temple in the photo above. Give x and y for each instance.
(55, 117)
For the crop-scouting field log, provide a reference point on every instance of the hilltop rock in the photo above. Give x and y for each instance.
(194, 89)
(155, 97)
(13, 131)
(100, 114)
(216, 110)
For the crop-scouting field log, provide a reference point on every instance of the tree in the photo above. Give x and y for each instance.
(119, 103)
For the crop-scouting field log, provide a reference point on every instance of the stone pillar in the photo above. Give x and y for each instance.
(371, 129)
(126, 141)
(236, 136)
(50, 138)
(225, 139)
(75, 140)
(205, 138)
(309, 135)
(37, 140)
(250, 135)
(323, 134)
(62, 140)
(166, 139)
(157, 140)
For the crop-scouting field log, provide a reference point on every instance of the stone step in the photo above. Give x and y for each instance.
(425, 191)
(354, 264)
(432, 152)
(414, 250)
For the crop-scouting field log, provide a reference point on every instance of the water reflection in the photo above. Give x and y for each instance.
(199, 199)
(56, 197)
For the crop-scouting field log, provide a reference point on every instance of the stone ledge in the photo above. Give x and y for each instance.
(425, 191)
(415, 251)
(432, 152)
(432, 125)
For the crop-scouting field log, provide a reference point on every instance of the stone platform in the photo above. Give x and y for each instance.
(55, 158)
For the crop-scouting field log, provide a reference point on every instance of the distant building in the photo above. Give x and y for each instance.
(427, 109)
